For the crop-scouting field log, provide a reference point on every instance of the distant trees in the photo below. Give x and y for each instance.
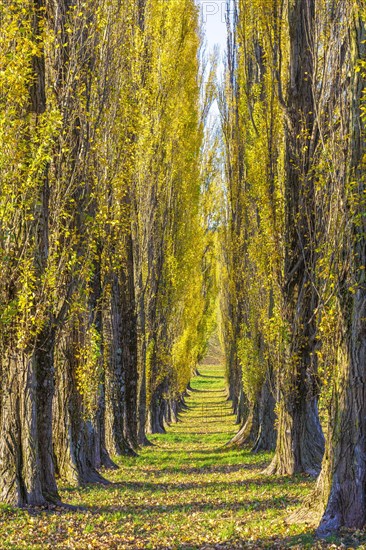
(103, 301)
(166, 221)
(293, 127)
(253, 131)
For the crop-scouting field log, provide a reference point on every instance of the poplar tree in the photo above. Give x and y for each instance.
(28, 309)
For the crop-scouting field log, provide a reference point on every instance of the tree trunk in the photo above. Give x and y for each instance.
(26, 461)
(155, 421)
(19, 461)
(259, 428)
(141, 362)
(267, 435)
(242, 410)
(44, 360)
(115, 389)
(74, 443)
(129, 346)
(102, 458)
(300, 443)
(235, 392)
(344, 471)
(248, 433)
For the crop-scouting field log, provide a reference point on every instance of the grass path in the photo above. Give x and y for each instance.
(188, 491)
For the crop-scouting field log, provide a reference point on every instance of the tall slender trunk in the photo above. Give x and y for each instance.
(27, 471)
(343, 479)
(141, 356)
(44, 361)
(300, 443)
(157, 411)
(129, 345)
(115, 372)
(267, 432)
(102, 458)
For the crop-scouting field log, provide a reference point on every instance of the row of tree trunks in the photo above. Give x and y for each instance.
(324, 118)
(164, 412)
(45, 432)
(89, 293)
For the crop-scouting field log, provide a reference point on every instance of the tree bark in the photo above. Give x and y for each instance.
(156, 415)
(26, 459)
(300, 443)
(115, 372)
(27, 474)
(267, 433)
(141, 357)
(248, 433)
(259, 428)
(74, 444)
(344, 471)
(102, 457)
(129, 346)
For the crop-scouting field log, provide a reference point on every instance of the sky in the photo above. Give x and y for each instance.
(213, 17)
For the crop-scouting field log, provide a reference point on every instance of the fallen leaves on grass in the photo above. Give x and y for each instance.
(186, 492)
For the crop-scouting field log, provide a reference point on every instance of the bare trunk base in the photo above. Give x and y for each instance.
(155, 417)
(300, 441)
(102, 457)
(267, 435)
(74, 437)
(248, 433)
(27, 476)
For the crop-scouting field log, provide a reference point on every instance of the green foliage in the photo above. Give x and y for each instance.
(27, 140)
(102, 182)
(88, 372)
(168, 230)
(253, 239)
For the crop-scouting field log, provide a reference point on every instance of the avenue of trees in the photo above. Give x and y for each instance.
(104, 302)
(293, 283)
(129, 230)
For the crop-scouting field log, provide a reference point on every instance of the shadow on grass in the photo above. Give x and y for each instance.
(218, 403)
(149, 487)
(210, 376)
(205, 420)
(218, 469)
(220, 459)
(274, 503)
(118, 515)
